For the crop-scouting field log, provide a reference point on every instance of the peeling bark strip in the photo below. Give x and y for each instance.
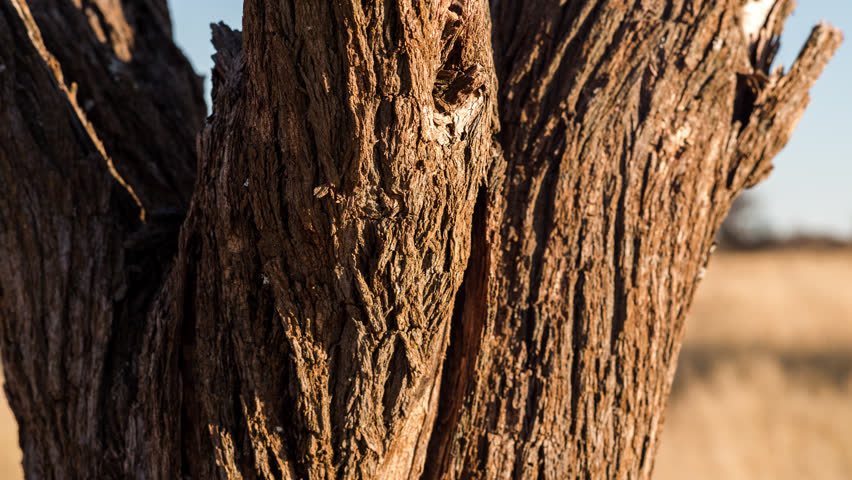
(389, 268)
(71, 95)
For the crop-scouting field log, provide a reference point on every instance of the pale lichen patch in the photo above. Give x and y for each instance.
(753, 18)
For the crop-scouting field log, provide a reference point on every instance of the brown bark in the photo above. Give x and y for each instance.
(390, 267)
(87, 140)
(627, 131)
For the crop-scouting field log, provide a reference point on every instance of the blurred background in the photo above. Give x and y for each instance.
(764, 383)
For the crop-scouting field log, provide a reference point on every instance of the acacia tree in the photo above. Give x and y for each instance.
(421, 239)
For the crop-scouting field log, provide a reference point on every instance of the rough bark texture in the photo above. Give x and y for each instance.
(389, 268)
(87, 140)
(627, 129)
(328, 235)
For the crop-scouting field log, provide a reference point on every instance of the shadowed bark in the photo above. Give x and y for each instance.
(390, 267)
(90, 142)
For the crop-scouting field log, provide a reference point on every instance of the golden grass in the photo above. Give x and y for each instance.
(10, 454)
(764, 386)
(753, 420)
(794, 300)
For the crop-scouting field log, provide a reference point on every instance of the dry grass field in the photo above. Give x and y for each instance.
(764, 383)
(10, 454)
(764, 387)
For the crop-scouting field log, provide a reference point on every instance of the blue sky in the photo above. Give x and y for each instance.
(811, 186)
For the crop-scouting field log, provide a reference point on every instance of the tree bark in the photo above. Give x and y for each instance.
(97, 137)
(425, 239)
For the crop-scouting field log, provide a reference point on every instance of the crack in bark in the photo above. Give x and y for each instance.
(71, 96)
(465, 337)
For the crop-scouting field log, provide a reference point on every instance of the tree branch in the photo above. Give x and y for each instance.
(619, 140)
(329, 235)
(94, 131)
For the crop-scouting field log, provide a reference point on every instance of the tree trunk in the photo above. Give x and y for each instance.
(389, 268)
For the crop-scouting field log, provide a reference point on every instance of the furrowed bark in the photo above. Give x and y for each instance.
(329, 235)
(79, 269)
(375, 279)
(628, 129)
(134, 87)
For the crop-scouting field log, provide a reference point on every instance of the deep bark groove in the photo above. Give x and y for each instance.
(465, 336)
